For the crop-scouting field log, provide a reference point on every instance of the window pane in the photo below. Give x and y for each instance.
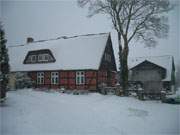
(56, 80)
(54, 77)
(82, 80)
(82, 73)
(40, 57)
(78, 81)
(33, 58)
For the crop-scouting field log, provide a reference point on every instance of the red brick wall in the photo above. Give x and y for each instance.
(91, 80)
(47, 78)
(106, 77)
(113, 79)
(102, 77)
(67, 79)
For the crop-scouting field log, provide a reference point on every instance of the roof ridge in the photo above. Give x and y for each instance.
(151, 56)
(61, 37)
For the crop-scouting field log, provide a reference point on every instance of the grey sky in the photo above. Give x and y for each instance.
(49, 19)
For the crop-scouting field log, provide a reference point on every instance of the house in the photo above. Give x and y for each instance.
(78, 62)
(153, 73)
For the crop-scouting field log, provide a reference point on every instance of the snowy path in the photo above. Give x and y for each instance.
(30, 112)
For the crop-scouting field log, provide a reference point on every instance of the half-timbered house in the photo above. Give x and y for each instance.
(79, 62)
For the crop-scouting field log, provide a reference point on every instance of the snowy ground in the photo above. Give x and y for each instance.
(29, 112)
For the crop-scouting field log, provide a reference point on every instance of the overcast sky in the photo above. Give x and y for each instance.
(50, 19)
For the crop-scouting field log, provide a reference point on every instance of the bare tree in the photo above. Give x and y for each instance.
(143, 20)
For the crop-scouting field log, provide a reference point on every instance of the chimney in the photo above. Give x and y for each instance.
(30, 40)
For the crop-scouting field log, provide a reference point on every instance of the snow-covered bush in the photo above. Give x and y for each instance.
(23, 80)
(79, 92)
(62, 90)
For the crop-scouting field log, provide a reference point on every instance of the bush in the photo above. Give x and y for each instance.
(23, 81)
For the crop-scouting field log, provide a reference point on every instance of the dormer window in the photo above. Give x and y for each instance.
(39, 56)
(47, 57)
(33, 58)
(44, 57)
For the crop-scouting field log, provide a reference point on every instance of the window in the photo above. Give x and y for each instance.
(47, 57)
(80, 77)
(40, 58)
(40, 78)
(107, 57)
(54, 77)
(44, 57)
(33, 58)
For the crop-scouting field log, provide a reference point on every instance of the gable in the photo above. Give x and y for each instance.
(164, 61)
(73, 53)
(108, 58)
(147, 71)
(146, 65)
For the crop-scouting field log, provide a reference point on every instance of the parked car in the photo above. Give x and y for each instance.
(172, 99)
(175, 100)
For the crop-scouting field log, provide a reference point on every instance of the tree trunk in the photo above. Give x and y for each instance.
(123, 59)
(2, 91)
(124, 72)
(120, 56)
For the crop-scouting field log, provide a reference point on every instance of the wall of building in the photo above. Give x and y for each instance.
(147, 71)
(67, 79)
(146, 75)
(12, 81)
(178, 75)
(150, 76)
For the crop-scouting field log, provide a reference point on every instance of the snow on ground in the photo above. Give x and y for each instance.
(29, 112)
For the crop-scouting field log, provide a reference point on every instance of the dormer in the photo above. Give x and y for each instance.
(39, 56)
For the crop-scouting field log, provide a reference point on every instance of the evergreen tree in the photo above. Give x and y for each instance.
(4, 66)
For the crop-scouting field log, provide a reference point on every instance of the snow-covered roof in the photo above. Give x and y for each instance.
(163, 61)
(71, 53)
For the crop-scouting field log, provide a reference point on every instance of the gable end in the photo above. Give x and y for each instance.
(108, 58)
(146, 64)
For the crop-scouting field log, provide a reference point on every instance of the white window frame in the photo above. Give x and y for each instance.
(48, 57)
(40, 57)
(40, 77)
(80, 77)
(54, 77)
(43, 57)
